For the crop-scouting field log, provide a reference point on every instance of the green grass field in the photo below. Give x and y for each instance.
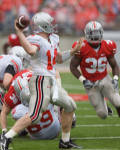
(91, 132)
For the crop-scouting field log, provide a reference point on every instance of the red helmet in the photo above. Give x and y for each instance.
(13, 40)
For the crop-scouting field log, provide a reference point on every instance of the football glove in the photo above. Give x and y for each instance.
(115, 84)
(88, 84)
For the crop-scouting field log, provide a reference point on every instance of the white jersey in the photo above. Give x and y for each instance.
(43, 63)
(47, 128)
(6, 60)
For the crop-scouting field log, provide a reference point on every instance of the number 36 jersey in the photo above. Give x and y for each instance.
(43, 63)
(94, 63)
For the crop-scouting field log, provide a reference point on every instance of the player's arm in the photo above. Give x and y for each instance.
(115, 72)
(8, 75)
(75, 62)
(29, 48)
(62, 57)
(114, 66)
(3, 116)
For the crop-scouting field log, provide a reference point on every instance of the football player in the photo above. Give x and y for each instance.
(43, 47)
(9, 66)
(93, 59)
(47, 128)
(18, 93)
(13, 40)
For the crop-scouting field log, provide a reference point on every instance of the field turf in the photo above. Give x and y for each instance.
(91, 132)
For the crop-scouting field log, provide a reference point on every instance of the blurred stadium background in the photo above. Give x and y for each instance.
(71, 17)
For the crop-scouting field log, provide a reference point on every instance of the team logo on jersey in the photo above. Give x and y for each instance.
(102, 54)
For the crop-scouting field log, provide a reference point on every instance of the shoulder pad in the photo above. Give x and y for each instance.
(111, 46)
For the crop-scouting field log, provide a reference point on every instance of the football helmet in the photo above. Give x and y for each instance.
(22, 54)
(93, 32)
(43, 22)
(13, 40)
(21, 87)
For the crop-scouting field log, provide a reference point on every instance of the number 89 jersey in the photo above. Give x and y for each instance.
(94, 63)
(43, 63)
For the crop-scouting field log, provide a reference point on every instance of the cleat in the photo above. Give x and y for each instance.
(68, 145)
(23, 133)
(4, 142)
(110, 111)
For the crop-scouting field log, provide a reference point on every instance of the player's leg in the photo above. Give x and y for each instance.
(111, 93)
(2, 93)
(69, 106)
(97, 101)
(38, 97)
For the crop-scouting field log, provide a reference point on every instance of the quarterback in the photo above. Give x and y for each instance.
(43, 46)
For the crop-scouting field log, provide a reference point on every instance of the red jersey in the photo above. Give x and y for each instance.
(93, 63)
(10, 97)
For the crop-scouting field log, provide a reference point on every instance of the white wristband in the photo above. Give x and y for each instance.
(81, 78)
(115, 77)
(66, 55)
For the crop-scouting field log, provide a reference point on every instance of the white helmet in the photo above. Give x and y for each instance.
(93, 32)
(22, 54)
(43, 22)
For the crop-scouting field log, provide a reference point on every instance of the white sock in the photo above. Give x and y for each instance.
(10, 134)
(65, 136)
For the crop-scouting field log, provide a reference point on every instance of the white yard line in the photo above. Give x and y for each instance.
(94, 116)
(97, 138)
(98, 125)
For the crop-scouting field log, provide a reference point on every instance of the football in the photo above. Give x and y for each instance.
(22, 22)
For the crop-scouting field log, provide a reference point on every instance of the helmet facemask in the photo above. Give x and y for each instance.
(94, 33)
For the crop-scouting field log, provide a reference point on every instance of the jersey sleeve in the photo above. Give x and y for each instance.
(110, 47)
(56, 39)
(16, 63)
(34, 40)
(10, 98)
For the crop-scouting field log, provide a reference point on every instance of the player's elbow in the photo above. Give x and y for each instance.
(32, 50)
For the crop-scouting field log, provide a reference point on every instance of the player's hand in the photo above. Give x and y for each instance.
(78, 46)
(88, 84)
(115, 84)
(16, 27)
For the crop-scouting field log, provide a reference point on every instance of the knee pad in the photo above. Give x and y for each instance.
(102, 114)
(71, 106)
